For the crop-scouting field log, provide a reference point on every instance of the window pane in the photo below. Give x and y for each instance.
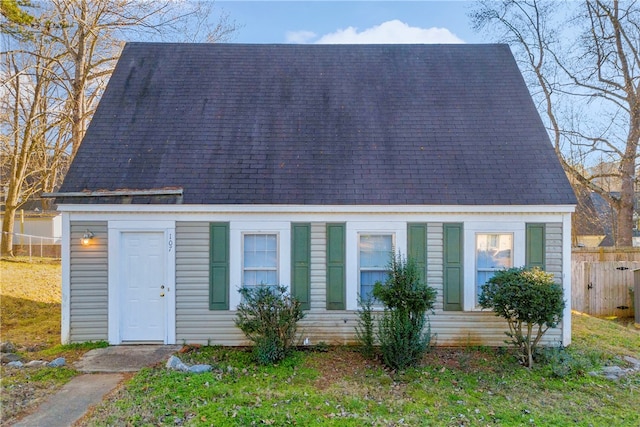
(260, 259)
(251, 259)
(250, 243)
(260, 250)
(482, 278)
(368, 279)
(493, 252)
(260, 277)
(249, 278)
(375, 251)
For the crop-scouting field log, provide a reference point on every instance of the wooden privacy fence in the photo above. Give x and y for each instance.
(603, 288)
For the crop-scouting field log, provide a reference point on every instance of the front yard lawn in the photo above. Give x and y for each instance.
(453, 387)
(457, 387)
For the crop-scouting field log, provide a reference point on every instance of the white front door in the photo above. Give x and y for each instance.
(143, 287)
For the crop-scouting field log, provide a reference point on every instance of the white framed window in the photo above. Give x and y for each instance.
(259, 259)
(356, 228)
(494, 251)
(374, 253)
(252, 259)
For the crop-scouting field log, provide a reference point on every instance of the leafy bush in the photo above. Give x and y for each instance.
(268, 316)
(401, 328)
(365, 328)
(530, 301)
(562, 363)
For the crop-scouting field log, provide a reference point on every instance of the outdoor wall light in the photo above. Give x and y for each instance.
(86, 238)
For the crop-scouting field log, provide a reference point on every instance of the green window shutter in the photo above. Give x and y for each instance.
(453, 267)
(219, 266)
(301, 263)
(535, 246)
(417, 247)
(336, 273)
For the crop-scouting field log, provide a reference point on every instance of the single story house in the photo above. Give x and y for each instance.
(208, 167)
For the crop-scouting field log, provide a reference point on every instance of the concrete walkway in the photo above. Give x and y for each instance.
(72, 401)
(103, 371)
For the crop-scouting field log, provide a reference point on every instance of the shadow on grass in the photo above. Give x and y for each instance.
(30, 325)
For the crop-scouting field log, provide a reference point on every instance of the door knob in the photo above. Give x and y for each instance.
(162, 294)
(162, 287)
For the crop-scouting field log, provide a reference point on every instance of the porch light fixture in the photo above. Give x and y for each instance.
(86, 238)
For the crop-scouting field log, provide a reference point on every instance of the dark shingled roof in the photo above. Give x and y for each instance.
(321, 124)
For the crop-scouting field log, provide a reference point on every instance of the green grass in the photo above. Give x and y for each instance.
(471, 386)
(30, 304)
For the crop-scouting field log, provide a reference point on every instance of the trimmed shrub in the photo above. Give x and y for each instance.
(401, 328)
(268, 316)
(531, 302)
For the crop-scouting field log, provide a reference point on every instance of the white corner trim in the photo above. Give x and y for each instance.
(113, 329)
(170, 242)
(65, 326)
(566, 279)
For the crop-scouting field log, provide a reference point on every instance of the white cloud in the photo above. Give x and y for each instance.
(390, 32)
(300, 36)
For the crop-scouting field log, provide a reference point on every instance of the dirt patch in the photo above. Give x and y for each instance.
(461, 359)
(341, 363)
(23, 389)
(337, 364)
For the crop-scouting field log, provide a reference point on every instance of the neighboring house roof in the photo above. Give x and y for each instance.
(320, 124)
(35, 205)
(587, 219)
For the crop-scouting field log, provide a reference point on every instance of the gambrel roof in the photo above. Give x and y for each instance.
(322, 125)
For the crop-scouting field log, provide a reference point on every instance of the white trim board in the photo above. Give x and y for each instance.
(430, 209)
(65, 323)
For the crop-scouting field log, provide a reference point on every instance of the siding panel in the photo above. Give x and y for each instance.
(318, 267)
(435, 260)
(447, 328)
(88, 283)
(195, 323)
(553, 250)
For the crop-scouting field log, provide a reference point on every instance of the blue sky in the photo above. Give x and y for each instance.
(351, 21)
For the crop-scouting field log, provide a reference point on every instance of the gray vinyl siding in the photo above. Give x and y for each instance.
(195, 323)
(435, 260)
(338, 327)
(89, 281)
(553, 250)
(456, 328)
(553, 263)
(322, 325)
(318, 266)
(479, 327)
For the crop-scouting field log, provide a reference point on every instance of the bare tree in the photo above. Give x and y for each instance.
(584, 70)
(31, 143)
(57, 59)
